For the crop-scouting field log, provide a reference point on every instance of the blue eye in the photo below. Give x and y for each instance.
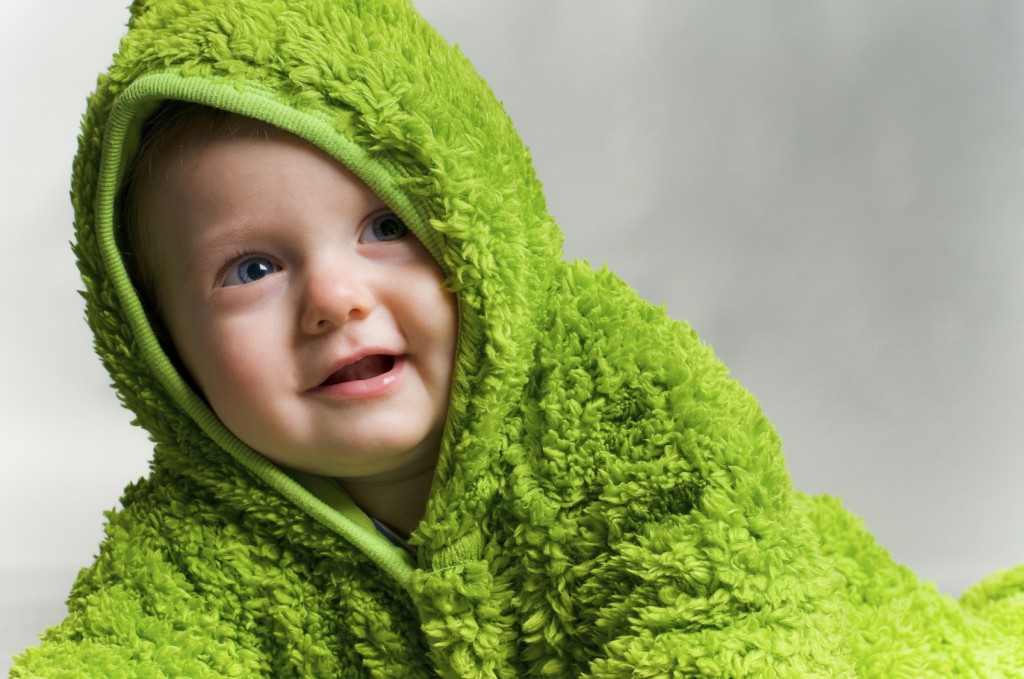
(249, 270)
(385, 227)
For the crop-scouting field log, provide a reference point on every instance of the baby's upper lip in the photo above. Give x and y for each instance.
(334, 373)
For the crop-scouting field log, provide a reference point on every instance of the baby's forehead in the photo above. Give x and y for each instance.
(182, 125)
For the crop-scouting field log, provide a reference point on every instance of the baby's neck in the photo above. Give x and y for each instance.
(399, 502)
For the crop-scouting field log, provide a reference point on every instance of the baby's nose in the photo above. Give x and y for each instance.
(335, 295)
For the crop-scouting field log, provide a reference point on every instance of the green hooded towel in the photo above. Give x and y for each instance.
(608, 502)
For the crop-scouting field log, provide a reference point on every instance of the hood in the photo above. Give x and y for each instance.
(601, 479)
(606, 500)
(375, 86)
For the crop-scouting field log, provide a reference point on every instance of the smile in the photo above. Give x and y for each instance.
(372, 375)
(365, 368)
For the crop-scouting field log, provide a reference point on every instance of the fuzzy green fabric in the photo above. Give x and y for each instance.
(608, 502)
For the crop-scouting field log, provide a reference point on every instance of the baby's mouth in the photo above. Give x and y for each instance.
(363, 369)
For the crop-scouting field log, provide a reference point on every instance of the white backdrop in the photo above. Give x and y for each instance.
(828, 190)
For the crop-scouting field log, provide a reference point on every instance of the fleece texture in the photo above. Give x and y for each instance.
(608, 502)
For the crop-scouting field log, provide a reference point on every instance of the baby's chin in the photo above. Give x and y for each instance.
(365, 467)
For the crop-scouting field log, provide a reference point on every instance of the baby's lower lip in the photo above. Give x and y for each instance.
(377, 385)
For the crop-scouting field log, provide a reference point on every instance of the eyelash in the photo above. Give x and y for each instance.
(369, 222)
(240, 255)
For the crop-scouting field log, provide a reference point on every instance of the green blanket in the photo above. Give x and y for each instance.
(608, 502)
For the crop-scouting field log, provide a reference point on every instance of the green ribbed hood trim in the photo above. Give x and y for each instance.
(120, 142)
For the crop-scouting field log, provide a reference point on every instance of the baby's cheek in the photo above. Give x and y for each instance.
(222, 364)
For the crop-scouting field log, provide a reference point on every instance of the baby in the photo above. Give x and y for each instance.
(311, 320)
(396, 434)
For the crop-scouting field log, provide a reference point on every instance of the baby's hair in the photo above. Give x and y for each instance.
(174, 124)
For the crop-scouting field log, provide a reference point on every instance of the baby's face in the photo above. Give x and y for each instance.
(311, 319)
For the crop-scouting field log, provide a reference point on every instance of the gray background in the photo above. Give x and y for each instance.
(830, 192)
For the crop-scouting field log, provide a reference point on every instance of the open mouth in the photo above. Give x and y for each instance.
(365, 368)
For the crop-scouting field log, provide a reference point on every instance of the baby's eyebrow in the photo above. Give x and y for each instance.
(217, 243)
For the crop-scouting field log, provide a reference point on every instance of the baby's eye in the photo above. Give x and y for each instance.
(249, 270)
(384, 227)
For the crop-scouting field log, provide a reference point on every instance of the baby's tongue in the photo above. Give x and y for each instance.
(363, 369)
